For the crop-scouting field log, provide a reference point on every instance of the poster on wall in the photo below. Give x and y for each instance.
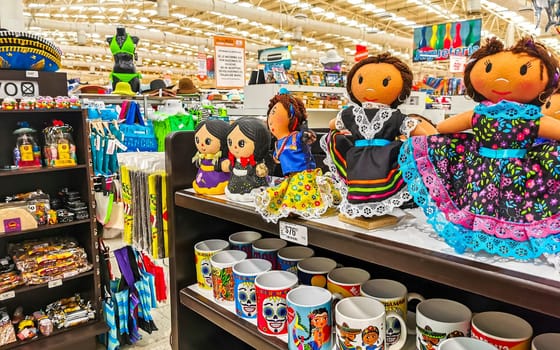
(201, 71)
(229, 63)
(439, 41)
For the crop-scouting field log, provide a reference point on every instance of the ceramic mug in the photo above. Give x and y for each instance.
(464, 343)
(243, 240)
(266, 248)
(439, 319)
(272, 312)
(222, 273)
(546, 341)
(288, 257)
(313, 271)
(503, 330)
(345, 282)
(395, 296)
(360, 322)
(244, 294)
(203, 251)
(309, 318)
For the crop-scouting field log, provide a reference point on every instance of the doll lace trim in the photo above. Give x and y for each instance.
(408, 125)
(324, 184)
(495, 237)
(508, 110)
(366, 209)
(368, 129)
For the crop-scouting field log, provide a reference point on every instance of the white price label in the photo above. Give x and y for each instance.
(7, 295)
(31, 74)
(293, 232)
(55, 283)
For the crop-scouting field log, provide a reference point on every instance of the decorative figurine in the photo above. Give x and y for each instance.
(362, 150)
(211, 142)
(303, 191)
(493, 190)
(248, 143)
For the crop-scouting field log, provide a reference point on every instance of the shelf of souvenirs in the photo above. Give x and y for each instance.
(410, 246)
(13, 171)
(223, 315)
(45, 228)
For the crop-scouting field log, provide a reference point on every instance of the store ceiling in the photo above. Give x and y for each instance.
(172, 32)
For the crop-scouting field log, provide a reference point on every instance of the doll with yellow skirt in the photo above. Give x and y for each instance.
(495, 190)
(211, 143)
(304, 190)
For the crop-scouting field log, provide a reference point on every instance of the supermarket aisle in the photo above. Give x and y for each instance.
(158, 340)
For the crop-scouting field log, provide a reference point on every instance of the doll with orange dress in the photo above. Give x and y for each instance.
(493, 190)
(211, 144)
(248, 143)
(363, 147)
(304, 190)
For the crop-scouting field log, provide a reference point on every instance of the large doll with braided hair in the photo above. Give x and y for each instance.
(494, 190)
(363, 147)
(304, 190)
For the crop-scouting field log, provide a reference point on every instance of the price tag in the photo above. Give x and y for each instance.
(31, 74)
(293, 232)
(7, 295)
(55, 283)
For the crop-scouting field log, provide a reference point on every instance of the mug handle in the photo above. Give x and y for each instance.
(404, 332)
(412, 296)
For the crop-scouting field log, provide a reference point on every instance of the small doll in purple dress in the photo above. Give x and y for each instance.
(210, 139)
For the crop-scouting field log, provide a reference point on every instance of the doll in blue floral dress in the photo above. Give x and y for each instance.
(493, 190)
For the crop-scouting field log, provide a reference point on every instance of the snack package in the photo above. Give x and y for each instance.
(59, 149)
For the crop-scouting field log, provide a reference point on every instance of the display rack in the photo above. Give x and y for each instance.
(52, 180)
(409, 253)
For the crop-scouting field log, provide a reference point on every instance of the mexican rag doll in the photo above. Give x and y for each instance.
(493, 190)
(212, 150)
(248, 143)
(363, 147)
(303, 190)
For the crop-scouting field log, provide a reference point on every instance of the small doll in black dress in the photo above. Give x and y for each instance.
(248, 143)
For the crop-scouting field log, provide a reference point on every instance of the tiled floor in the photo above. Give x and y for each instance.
(158, 340)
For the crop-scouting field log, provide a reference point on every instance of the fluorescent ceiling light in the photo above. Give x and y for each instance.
(244, 4)
(138, 26)
(317, 10)
(181, 16)
(291, 2)
(355, 2)
(329, 15)
(231, 1)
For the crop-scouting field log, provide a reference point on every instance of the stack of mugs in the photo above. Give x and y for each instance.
(320, 304)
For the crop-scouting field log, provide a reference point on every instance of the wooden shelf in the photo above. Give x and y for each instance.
(229, 321)
(39, 111)
(26, 171)
(407, 251)
(25, 289)
(67, 335)
(45, 228)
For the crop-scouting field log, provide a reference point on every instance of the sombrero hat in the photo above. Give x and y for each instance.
(25, 51)
(123, 88)
(186, 86)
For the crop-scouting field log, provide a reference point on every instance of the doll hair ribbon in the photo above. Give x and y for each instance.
(292, 111)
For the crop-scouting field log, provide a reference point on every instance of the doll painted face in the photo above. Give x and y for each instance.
(552, 106)
(240, 145)
(509, 76)
(205, 142)
(278, 121)
(377, 82)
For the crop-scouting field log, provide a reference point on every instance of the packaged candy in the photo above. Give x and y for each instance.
(27, 103)
(7, 332)
(45, 102)
(39, 205)
(60, 149)
(62, 102)
(9, 104)
(26, 152)
(74, 102)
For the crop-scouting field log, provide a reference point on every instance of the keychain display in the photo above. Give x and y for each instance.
(59, 149)
(27, 152)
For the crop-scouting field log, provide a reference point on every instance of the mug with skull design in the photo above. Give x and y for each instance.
(272, 312)
(244, 274)
(203, 251)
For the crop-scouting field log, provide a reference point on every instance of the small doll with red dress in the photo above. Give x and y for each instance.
(494, 190)
(211, 144)
(363, 147)
(248, 143)
(303, 191)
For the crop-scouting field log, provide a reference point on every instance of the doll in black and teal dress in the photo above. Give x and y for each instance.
(363, 147)
(494, 189)
(248, 144)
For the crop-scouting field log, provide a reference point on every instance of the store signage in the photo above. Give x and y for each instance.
(276, 56)
(18, 89)
(293, 233)
(457, 63)
(440, 41)
(229, 64)
(201, 64)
